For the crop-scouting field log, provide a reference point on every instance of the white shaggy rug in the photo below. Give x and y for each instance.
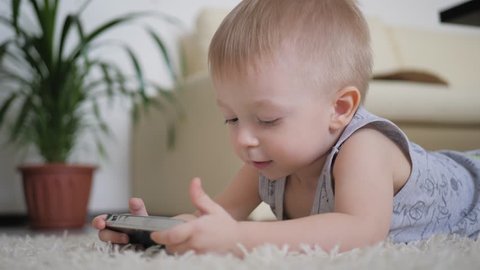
(87, 252)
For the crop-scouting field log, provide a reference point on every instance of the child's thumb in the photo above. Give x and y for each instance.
(201, 201)
(137, 207)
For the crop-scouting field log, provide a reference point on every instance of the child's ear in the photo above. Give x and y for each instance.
(345, 105)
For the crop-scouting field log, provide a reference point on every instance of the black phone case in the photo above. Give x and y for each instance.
(139, 228)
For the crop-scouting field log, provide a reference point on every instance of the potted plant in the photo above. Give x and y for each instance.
(50, 96)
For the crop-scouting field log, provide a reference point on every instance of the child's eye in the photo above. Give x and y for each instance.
(268, 122)
(231, 121)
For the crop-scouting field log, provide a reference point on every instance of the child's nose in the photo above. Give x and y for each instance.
(246, 138)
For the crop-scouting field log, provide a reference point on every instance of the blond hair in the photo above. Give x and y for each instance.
(329, 37)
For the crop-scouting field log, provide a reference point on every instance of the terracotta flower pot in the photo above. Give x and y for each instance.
(57, 194)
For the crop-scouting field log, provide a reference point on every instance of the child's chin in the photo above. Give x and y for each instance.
(272, 175)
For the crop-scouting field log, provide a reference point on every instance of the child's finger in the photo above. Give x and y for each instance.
(137, 207)
(201, 200)
(99, 222)
(185, 217)
(179, 249)
(112, 236)
(175, 236)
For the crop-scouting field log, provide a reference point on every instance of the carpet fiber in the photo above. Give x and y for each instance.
(87, 252)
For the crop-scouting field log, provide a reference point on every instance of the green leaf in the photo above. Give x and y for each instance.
(101, 149)
(4, 51)
(20, 33)
(79, 27)
(157, 104)
(96, 109)
(139, 75)
(51, 18)
(104, 127)
(44, 43)
(110, 78)
(171, 135)
(107, 78)
(171, 98)
(99, 30)
(164, 53)
(5, 106)
(135, 113)
(37, 65)
(14, 77)
(38, 13)
(166, 94)
(15, 11)
(65, 30)
(21, 118)
(83, 7)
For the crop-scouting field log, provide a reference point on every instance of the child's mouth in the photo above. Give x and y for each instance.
(261, 164)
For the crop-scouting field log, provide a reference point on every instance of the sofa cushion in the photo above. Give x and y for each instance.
(423, 103)
(455, 56)
(385, 57)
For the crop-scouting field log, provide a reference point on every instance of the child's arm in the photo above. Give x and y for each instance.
(364, 175)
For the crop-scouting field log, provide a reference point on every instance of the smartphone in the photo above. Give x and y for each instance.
(139, 228)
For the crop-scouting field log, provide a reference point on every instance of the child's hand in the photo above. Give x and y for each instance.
(185, 217)
(214, 230)
(136, 207)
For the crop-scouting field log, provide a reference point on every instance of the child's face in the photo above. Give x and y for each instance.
(277, 123)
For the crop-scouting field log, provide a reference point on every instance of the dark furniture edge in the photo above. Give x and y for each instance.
(452, 13)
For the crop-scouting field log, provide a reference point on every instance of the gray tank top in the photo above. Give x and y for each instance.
(441, 195)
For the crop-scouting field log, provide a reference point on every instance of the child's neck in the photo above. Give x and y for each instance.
(309, 175)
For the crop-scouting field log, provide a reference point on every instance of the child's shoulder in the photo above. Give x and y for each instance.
(368, 142)
(370, 149)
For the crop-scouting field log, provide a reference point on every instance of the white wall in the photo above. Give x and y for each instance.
(112, 183)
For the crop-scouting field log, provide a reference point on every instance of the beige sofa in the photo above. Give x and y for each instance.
(435, 116)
